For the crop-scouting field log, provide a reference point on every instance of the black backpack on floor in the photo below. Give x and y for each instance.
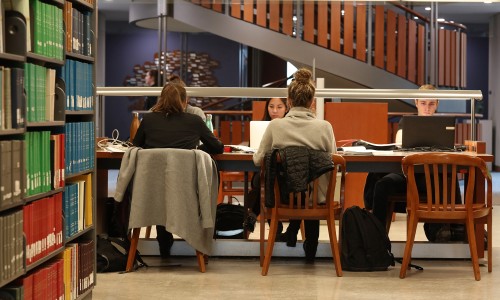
(112, 254)
(365, 245)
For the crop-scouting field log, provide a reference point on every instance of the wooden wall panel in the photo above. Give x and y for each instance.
(258, 109)
(447, 62)
(246, 131)
(335, 28)
(248, 6)
(441, 52)
(379, 36)
(309, 21)
(287, 16)
(225, 132)
(274, 15)
(402, 44)
(217, 5)
(348, 29)
(236, 9)
(412, 51)
(361, 22)
(236, 132)
(262, 13)
(421, 55)
(463, 58)
(322, 24)
(391, 41)
(368, 123)
(453, 59)
(206, 4)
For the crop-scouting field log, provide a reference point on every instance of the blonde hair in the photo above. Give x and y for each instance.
(170, 100)
(427, 87)
(301, 90)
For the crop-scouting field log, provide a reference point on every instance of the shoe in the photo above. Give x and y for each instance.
(249, 223)
(165, 241)
(288, 237)
(310, 248)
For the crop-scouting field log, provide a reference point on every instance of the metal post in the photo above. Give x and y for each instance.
(473, 133)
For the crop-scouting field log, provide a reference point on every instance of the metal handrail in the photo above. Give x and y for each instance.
(244, 92)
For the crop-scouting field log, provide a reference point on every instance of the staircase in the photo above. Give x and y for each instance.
(371, 45)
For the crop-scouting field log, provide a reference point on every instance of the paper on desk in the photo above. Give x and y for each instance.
(241, 148)
(355, 150)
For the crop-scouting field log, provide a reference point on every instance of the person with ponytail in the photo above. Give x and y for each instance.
(300, 128)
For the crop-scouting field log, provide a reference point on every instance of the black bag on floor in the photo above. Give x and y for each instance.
(112, 254)
(365, 245)
(229, 221)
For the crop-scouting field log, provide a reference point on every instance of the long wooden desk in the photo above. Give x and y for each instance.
(380, 162)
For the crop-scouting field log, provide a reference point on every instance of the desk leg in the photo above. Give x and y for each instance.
(245, 191)
(102, 195)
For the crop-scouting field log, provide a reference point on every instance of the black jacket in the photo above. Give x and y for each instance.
(299, 166)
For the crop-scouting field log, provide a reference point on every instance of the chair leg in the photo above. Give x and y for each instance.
(148, 232)
(220, 196)
(133, 249)
(262, 234)
(471, 236)
(270, 245)
(490, 241)
(410, 239)
(200, 257)
(334, 245)
(302, 230)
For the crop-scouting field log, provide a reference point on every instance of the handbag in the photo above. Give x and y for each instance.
(229, 221)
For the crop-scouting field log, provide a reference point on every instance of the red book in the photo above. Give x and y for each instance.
(28, 287)
(58, 220)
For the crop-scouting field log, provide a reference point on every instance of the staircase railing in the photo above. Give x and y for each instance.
(386, 35)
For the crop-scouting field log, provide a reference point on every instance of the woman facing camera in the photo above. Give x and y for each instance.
(300, 128)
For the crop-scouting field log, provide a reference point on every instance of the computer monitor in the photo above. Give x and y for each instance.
(428, 131)
(257, 129)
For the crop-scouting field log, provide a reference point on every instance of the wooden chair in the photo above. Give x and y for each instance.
(153, 204)
(226, 188)
(441, 170)
(306, 208)
(200, 257)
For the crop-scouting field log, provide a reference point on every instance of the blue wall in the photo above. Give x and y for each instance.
(126, 49)
(477, 69)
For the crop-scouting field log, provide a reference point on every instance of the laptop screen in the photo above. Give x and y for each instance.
(257, 129)
(428, 131)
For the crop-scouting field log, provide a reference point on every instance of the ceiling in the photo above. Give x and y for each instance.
(474, 14)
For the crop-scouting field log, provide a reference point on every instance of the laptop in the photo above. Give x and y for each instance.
(257, 129)
(436, 132)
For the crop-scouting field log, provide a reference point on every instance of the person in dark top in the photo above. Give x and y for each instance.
(151, 79)
(168, 126)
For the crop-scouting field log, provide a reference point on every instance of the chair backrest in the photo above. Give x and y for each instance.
(308, 200)
(441, 171)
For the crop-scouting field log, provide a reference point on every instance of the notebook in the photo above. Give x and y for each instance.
(257, 129)
(428, 131)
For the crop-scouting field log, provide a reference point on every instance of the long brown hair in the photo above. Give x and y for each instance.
(170, 100)
(301, 90)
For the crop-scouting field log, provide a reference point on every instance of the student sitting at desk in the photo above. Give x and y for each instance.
(276, 108)
(300, 128)
(168, 126)
(379, 187)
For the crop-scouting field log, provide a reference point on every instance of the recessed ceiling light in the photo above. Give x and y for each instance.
(441, 20)
(427, 8)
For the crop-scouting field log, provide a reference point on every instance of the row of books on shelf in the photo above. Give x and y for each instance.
(67, 277)
(77, 77)
(12, 109)
(43, 227)
(48, 30)
(79, 33)
(11, 178)
(38, 167)
(11, 245)
(40, 86)
(80, 147)
(77, 204)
